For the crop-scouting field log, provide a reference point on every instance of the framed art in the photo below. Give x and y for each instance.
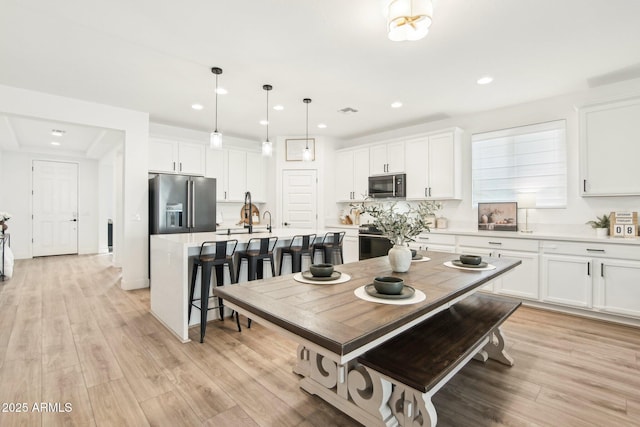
(498, 216)
(295, 147)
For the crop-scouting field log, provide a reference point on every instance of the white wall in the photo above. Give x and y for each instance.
(133, 217)
(579, 209)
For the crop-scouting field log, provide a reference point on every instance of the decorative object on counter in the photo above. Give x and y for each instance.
(483, 266)
(335, 278)
(601, 225)
(470, 259)
(400, 227)
(356, 215)
(624, 224)
(526, 201)
(4, 217)
(498, 216)
(321, 270)
(408, 296)
(267, 146)
(388, 285)
(408, 20)
(441, 223)
(215, 139)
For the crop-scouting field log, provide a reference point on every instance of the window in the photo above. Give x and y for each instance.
(529, 158)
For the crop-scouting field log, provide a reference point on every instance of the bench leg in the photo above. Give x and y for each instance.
(495, 349)
(412, 408)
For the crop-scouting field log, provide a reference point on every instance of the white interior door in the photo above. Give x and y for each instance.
(55, 208)
(299, 199)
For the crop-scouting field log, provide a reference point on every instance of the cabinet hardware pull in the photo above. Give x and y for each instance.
(601, 270)
(584, 185)
(225, 195)
(429, 191)
(425, 192)
(180, 166)
(589, 269)
(495, 243)
(595, 250)
(174, 166)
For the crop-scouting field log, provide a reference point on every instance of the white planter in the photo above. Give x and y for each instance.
(602, 232)
(400, 258)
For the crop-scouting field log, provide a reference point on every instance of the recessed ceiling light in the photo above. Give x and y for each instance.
(347, 110)
(278, 107)
(485, 80)
(197, 106)
(322, 126)
(56, 143)
(221, 91)
(396, 104)
(57, 132)
(264, 122)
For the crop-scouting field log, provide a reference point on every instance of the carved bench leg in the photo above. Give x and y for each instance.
(495, 348)
(412, 408)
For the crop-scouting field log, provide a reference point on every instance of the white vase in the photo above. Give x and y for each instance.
(602, 232)
(400, 258)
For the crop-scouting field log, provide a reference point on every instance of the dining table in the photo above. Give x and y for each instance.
(336, 321)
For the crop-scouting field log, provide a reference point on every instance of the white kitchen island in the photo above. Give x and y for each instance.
(171, 264)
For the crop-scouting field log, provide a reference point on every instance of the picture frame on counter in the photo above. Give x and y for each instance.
(502, 216)
(295, 147)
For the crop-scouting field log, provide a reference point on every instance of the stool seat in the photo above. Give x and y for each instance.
(331, 247)
(222, 256)
(300, 245)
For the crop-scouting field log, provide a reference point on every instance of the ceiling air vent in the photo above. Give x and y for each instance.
(347, 110)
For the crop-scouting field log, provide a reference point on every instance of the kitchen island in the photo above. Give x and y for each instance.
(171, 263)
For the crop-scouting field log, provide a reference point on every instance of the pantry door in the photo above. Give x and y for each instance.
(55, 208)
(299, 199)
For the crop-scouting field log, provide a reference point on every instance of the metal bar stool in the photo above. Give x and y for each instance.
(223, 255)
(300, 245)
(331, 247)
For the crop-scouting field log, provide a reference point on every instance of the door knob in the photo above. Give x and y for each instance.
(73, 220)
(286, 223)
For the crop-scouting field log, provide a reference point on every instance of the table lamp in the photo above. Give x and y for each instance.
(526, 201)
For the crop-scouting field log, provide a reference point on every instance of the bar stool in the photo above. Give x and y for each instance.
(223, 255)
(258, 250)
(331, 247)
(300, 245)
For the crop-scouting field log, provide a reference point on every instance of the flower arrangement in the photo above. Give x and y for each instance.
(600, 222)
(401, 226)
(5, 216)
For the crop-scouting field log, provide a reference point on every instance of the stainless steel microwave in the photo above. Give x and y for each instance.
(388, 186)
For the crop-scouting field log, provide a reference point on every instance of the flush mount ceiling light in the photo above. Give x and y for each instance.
(278, 107)
(215, 139)
(484, 80)
(322, 126)
(56, 143)
(267, 146)
(408, 20)
(306, 154)
(396, 104)
(197, 107)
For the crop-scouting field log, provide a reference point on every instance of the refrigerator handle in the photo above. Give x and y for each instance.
(193, 203)
(189, 204)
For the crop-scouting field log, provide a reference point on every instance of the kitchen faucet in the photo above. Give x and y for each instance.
(269, 226)
(247, 211)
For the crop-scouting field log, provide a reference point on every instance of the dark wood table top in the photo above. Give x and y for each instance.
(332, 317)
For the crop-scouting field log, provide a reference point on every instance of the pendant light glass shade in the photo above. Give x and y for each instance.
(215, 139)
(306, 153)
(408, 20)
(267, 146)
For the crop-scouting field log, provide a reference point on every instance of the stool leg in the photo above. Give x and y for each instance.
(220, 282)
(194, 273)
(204, 301)
(238, 321)
(273, 267)
(280, 267)
(296, 260)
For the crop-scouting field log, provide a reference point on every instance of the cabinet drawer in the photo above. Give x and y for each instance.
(600, 250)
(499, 243)
(440, 239)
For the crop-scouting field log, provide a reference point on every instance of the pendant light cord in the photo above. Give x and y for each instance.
(307, 101)
(267, 115)
(216, 92)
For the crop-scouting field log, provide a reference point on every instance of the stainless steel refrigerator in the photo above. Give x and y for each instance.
(181, 204)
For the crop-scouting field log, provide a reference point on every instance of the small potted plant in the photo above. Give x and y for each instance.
(4, 216)
(601, 225)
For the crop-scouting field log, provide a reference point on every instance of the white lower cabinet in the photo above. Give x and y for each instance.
(350, 248)
(617, 287)
(435, 242)
(567, 280)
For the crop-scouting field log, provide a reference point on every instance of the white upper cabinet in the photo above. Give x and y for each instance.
(256, 181)
(386, 158)
(610, 148)
(433, 166)
(352, 174)
(176, 157)
(237, 172)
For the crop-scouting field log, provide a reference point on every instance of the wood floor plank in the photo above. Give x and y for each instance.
(21, 381)
(169, 410)
(66, 398)
(115, 405)
(234, 416)
(58, 345)
(99, 365)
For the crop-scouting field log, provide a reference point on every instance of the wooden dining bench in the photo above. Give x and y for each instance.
(421, 360)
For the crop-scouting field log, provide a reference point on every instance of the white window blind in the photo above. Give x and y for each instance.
(529, 158)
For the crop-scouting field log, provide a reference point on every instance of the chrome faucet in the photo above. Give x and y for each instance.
(247, 211)
(269, 226)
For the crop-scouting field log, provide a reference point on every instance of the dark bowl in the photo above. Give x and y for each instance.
(471, 259)
(388, 285)
(413, 253)
(321, 270)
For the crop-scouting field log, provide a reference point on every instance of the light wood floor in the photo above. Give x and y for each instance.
(69, 334)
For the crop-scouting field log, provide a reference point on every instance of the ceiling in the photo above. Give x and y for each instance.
(155, 56)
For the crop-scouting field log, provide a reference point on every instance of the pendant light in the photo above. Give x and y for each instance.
(306, 154)
(267, 146)
(215, 139)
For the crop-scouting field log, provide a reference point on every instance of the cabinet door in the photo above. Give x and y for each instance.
(567, 280)
(344, 175)
(395, 157)
(256, 177)
(416, 155)
(618, 287)
(442, 168)
(163, 155)
(378, 159)
(484, 252)
(360, 173)
(191, 158)
(351, 249)
(522, 281)
(236, 172)
(215, 168)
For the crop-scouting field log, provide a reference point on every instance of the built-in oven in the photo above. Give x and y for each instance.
(372, 243)
(388, 186)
